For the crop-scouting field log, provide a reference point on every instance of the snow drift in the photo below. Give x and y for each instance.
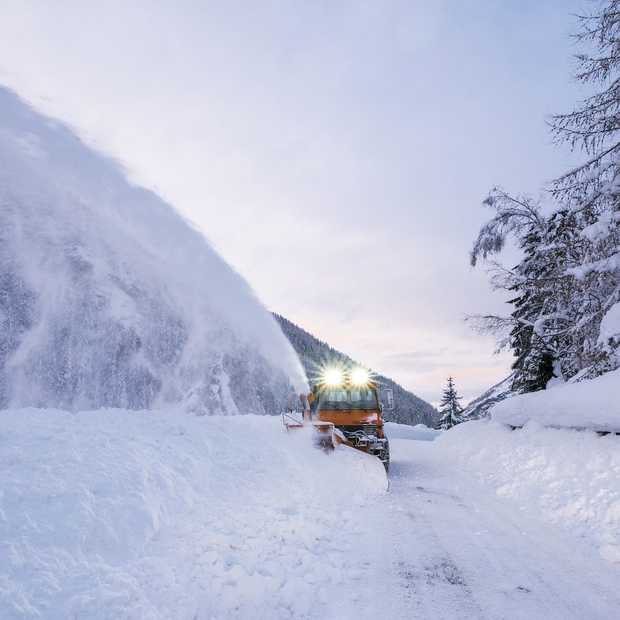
(568, 478)
(151, 515)
(419, 432)
(108, 298)
(592, 404)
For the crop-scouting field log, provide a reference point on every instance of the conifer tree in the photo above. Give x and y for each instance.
(569, 277)
(590, 192)
(450, 407)
(533, 366)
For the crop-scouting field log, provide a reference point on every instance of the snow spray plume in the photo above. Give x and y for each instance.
(109, 298)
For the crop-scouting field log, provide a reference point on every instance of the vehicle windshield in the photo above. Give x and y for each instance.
(347, 398)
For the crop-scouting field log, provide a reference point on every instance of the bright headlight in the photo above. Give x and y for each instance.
(332, 376)
(360, 376)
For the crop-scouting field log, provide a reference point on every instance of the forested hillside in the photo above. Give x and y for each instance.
(408, 408)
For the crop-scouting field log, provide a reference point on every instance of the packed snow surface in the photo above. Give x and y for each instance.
(108, 298)
(592, 404)
(150, 515)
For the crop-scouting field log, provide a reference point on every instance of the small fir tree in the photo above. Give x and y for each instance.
(450, 408)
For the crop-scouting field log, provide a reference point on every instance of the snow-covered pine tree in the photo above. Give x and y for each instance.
(591, 191)
(550, 329)
(568, 282)
(450, 407)
(533, 366)
(531, 281)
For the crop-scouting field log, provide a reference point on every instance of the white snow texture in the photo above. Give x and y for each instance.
(108, 298)
(609, 334)
(568, 478)
(120, 515)
(592, 404)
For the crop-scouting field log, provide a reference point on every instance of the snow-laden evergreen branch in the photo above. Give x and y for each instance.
(568, 281)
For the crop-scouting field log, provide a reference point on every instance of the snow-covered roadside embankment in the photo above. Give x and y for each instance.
(419, 432)
(568, 478)
(116, 514)
(593, 405)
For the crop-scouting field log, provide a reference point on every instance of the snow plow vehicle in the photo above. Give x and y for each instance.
(344, 408)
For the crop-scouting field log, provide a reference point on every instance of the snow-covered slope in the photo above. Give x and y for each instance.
(151, 515)
(109, 298)
(593, 404)
(479, 407)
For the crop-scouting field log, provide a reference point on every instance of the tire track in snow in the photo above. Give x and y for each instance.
(461, 552)
(431, 583)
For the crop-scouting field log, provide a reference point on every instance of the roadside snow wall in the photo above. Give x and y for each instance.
(420, 432)
(568, 478)
(108, 298)
(124, 515)
(592, 404)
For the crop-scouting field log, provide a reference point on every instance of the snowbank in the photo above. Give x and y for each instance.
(569, 478)
(420, 432)
(108, 298)
(610, 325)
(117, 514)
(592, 404)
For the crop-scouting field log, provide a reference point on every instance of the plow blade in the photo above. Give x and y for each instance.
(324, 434)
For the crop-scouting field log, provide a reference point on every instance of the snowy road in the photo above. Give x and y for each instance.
(451, 548)
(120, 515)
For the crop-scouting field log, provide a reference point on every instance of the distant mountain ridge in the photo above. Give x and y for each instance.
(408, 408)
(479, 407)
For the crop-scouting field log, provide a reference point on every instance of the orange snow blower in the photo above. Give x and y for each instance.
(344, 408)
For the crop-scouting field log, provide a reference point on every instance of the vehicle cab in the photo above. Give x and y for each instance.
(349, 399)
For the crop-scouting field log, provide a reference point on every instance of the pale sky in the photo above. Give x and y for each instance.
(335, 153)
